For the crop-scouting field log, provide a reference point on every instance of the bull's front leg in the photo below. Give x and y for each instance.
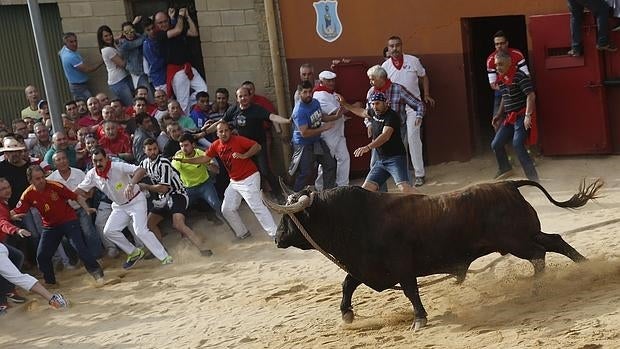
(348, 287)
(410, 288)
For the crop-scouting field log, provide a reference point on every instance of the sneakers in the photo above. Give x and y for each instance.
(58, 301)
(206, 253)
(168, 260)
(244, 236)
(608, 48)
(574, 53)
(133, 258)
(502, 174)
(419, 181)
(15, 298)
(3, 309)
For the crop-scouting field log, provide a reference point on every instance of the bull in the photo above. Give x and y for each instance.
(383, 239)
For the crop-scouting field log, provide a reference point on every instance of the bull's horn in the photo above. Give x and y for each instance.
(303, 202)
(285, 189)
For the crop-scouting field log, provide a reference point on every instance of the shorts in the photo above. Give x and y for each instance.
(384, 167)
(176, 203)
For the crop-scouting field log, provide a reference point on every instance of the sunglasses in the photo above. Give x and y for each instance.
(130, 31)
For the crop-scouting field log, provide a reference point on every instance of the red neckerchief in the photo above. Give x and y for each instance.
(104, 174)
(509, 76)
(320, 88)
(385, 87)
(398, 61)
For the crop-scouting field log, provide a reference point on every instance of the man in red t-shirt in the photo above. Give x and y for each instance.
(116, 143)
(500, 41)
(59, 220)
(236, 153)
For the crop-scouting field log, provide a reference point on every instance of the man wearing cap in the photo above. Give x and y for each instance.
(334, 137)
(75, 68)
(33, 97)
(391, 154)
(309, 123)
(406, 70)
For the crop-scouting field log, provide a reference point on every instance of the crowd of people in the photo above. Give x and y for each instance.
(103, 184)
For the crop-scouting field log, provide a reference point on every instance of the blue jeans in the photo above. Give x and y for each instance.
(207, 192)
(310, 155)
(373, 158)
(600, 10)
(50, 239)
(91, 238)
(80, 91)
(386, 167)
(17, 257)
(124, 90)
(518, 134)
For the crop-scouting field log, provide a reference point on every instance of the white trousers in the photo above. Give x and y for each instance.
(249, 190)
(181, 86)
(103, 213)
(9, 271)
(414, 141)
(121, 216)
(338, 148)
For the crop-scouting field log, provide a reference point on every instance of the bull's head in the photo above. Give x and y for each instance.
(288, 233)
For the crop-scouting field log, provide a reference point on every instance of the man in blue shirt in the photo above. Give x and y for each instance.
(308, 124)
(75, 68)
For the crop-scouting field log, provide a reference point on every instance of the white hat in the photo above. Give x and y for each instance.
(10, 144)
(327, 75)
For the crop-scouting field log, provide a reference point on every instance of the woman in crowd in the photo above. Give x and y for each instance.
(119, 80)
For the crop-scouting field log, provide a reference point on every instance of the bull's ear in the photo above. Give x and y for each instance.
(285, 189)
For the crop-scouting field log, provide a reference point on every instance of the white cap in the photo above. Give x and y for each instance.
(327, 75)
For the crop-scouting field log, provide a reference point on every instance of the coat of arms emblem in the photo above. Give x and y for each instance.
(328, 25)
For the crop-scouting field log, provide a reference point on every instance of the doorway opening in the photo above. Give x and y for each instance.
(477, 35)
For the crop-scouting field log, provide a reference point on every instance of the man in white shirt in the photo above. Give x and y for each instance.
(407, 70)
(71, 177)
(334, 137)
(119, 181)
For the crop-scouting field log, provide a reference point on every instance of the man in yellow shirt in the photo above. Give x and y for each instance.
(195, 177)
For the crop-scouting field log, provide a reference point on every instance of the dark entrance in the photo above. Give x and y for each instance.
(477, 45)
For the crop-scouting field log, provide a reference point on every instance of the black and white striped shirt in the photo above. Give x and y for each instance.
(161, 172)
(515, 94)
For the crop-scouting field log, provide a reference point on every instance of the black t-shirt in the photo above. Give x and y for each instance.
(171, 148)
(248, 122)
(17, 178)
(394, 146)
(175, 50)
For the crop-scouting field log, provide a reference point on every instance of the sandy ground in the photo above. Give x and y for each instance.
(252, 295)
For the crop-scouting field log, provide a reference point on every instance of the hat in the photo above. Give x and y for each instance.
(378, 96)
(11, 144)
(41, 102)
(327, 75)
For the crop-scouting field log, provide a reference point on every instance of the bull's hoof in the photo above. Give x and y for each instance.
(418, 324)
(348, 316)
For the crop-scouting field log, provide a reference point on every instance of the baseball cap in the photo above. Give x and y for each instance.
(11, 144)
(327, 75)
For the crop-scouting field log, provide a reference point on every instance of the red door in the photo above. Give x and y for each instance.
(352, 84)
(570, 96)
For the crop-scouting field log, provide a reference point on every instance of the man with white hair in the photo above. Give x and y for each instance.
(334, 137)
(407, 71)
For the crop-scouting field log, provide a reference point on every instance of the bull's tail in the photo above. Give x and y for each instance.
(583, 195)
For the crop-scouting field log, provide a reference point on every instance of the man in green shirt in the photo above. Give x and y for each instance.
(195, 177)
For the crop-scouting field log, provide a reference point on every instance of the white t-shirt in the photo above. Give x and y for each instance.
(75, 178)
(407, 75)
(329, 105)
(114, 186)
(115, 73)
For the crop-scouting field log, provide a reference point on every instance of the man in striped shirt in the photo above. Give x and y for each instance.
(172, 196)
(518, 104)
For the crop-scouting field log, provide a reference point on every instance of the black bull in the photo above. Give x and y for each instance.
(388, 239)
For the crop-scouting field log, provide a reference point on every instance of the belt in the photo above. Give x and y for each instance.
(133, 197)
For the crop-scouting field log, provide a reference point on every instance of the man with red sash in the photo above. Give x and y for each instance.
(518, 104)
